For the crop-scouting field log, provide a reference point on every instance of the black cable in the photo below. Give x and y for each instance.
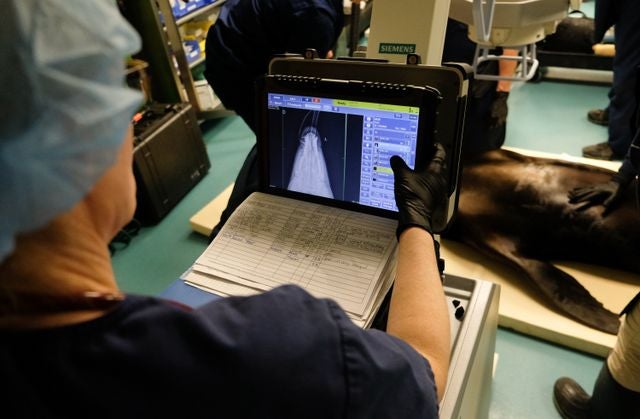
(124, 236)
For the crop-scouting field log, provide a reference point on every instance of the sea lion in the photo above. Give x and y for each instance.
(515, 208)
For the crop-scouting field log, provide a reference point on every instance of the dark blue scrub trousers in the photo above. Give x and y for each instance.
(622, 104)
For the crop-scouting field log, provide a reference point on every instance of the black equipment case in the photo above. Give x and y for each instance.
(170, 158)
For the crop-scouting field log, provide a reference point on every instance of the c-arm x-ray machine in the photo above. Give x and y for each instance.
(418, 26)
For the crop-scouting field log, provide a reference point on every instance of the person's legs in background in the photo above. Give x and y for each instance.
(622, 105)
(624, 359)
(600, 116)
(616, 392)
(622, 102)
(621, 112)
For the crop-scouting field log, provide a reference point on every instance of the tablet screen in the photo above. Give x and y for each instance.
(338, 148)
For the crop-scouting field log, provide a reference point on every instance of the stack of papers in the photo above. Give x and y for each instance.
(332, 253)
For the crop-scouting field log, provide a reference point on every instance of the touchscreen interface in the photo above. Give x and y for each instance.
(337, 148)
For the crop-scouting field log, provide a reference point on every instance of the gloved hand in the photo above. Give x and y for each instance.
(419, 193)
(608, 194)
(499, 109)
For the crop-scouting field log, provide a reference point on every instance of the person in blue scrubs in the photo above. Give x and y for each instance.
(248, 33)
(616, 391)
(240, 46)
(625, 15)
(72, 344)
(609, 194)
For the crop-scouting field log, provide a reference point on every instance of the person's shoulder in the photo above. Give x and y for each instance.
(389, 378)
(141, 306)
(287, 303)
(383, 375)
(138, 311)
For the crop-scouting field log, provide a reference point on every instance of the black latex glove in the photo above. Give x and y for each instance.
(608, 194)
(499, 109)
(419, 193)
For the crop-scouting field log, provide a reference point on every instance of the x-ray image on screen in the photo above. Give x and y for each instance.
(313, 155)
(309, 173)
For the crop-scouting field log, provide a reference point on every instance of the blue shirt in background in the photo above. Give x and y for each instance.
(248, 33)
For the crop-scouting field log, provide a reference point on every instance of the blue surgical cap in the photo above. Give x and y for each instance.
(64, 107)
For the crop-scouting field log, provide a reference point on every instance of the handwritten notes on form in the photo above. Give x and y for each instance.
(332, 253)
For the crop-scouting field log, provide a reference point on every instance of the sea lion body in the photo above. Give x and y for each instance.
(516, 208)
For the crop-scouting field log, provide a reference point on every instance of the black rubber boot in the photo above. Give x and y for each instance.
(610, 400)
(570, 399)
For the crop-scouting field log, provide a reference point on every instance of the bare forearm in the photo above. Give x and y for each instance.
(418, 312)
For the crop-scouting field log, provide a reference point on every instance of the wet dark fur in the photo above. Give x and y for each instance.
(515, 208)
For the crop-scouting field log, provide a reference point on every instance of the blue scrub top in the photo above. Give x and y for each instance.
(248, 33)
(281, 354)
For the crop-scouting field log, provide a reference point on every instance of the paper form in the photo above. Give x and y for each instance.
(225, 288)
(214, 285)
(332, 253)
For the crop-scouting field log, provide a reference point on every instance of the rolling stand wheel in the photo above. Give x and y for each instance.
(538, 75)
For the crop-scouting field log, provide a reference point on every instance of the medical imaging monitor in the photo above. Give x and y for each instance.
(330, 141)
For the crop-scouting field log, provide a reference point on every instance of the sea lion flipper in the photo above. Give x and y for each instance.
(570, 297)
(565, 293)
